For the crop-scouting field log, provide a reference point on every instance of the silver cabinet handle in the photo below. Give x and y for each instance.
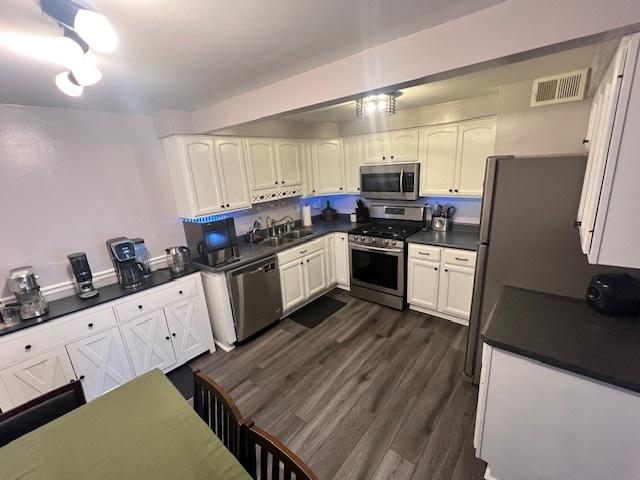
(462, 259)
(302, 252)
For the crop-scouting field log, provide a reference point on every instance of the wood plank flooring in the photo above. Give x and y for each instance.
(369, 394)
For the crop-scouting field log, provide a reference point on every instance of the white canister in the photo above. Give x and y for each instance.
(306, 216)
(353, 218)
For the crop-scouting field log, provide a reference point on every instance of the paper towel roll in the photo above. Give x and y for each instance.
(306, 216)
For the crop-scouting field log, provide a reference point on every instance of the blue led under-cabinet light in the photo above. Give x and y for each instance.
(205, 219)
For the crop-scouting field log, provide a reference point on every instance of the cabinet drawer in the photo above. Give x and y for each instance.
(459, 257)
(31, 344)
(424, 252)
(86, 324)
(300, 251)
(156, 299)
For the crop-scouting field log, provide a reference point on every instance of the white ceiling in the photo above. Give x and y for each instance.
(475, 84)
(187, 54)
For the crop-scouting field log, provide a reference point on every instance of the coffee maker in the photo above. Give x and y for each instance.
(212, 243)
(24, 285)
(129, 270)
(82, 275)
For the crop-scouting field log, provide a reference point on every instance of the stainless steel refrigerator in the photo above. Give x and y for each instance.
(527, 236)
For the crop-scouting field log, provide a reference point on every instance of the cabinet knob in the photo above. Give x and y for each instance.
(451, 190)
(227, 205)
(586, 140)
(446, 270)
(392, 156)
(340, 188)
(456, 190)
(139, 307)
(27, 347)
(167, 337)
(301, 263)
(173, 334)
(384, 158)
(435, 268)
(90, 325)
(81, 377)
(221, 206)
(276, 183)
(180, 292)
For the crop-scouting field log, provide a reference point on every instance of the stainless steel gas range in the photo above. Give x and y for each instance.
(378, 254)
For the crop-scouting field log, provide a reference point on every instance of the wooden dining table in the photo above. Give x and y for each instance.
(141, 430)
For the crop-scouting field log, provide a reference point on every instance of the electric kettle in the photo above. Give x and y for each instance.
(177, 258)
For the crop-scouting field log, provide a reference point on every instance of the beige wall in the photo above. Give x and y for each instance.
(525, 130)
(71, 179)
(455, 111)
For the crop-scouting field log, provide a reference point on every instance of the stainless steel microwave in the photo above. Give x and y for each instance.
(390, 182)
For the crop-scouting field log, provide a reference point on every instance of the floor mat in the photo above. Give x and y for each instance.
(312, 315)
(182, 379)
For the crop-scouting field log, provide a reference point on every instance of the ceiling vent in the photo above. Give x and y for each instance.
(565, 87)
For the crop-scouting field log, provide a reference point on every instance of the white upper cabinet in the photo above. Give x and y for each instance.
(376, 147)
(403, 145)
(327, 166)
(199, 178)
(438, 159)
(261, 160)
(353, 157)
(306, 147)
(607, 215)
(233, 171)
(454, 157)
(289, 162)
(476, 142)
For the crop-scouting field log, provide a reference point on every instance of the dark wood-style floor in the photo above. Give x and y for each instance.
(371, 393)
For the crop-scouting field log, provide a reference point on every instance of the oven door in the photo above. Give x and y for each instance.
(377, 268)
(390, 182)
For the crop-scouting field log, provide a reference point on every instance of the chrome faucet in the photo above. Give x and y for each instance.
(271, 223)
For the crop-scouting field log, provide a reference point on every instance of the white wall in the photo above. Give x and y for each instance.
(71, 179)
(482, 39)
(283, 128)
(551, 129)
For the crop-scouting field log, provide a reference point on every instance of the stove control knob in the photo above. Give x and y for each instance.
(374, 240)
(394, 242)
(386, 242)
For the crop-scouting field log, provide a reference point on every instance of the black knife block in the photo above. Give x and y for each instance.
(362, 215)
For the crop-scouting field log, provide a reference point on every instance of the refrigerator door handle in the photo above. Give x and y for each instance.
(473, 337)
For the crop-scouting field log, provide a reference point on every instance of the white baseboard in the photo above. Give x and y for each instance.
(68, 287)
(343, 287)
(435, 313)
(223, 346)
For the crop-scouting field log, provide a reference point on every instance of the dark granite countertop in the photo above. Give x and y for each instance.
(73, 303)
(464, 236)
(250, 252)
(565, 333)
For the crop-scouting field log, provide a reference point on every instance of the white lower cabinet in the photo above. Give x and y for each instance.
(292, 283)
(440, 281)
(189, 327)
(37, 375)
(106, 346)
(315, 277)
(341, 256)
(423, 280)
(100, 362)
(149, 342)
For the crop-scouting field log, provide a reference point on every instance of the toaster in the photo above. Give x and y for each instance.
(616, 294)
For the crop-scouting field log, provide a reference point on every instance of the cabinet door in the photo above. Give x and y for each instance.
(316, 280)
(289, 162)
(203, 175)
(36, 376)
(329, 259)
(352, 157)
(101, 362)
(306, 148)
(475, 143)
(438, 159)
(189, 327)
(292, 283)
(403, 145)
(456, 288)
(327, 166)
(341, 253)
(261, 160)
(233, 173)
(149, 343)
(376, 148)
(423, 279)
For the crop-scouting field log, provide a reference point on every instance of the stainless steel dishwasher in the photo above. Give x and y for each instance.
(255, 296)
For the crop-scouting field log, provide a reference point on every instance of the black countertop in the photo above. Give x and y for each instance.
(463, 236)
(567, 334)
(73, 303)
(250, 252)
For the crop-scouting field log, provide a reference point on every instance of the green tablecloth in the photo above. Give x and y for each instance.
(142, 430)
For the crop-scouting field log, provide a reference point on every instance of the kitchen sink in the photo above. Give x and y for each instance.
(275, 241)
(296, 234)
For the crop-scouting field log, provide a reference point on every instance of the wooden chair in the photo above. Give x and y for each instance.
(267, 458)
(40, 411)
(219, 411)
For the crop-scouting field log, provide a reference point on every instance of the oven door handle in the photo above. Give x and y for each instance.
(377, 249)
(402, 181)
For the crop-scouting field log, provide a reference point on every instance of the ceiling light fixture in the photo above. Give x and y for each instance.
(67, 83)
(60, 50)
(377, 104)
(86, 73)
(93, 27)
